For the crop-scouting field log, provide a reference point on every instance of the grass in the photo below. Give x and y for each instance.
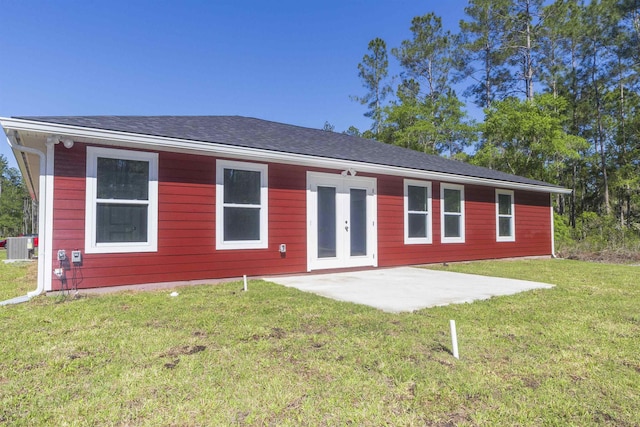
(16, 278)
(215, 355)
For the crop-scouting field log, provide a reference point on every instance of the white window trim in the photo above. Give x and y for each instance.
(263, 242)
(90, 245)
(512, 217)
(444, 239)
(417, 240)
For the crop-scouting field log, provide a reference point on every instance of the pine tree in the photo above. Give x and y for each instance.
(481, 55)
(373, 71)
(427, 57)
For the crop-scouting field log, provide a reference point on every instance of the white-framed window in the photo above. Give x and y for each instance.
(452, 213)
(505, 216)
(417, 212)
(121, 201)
(241, 205)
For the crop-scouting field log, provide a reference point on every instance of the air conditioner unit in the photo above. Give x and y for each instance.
(18, 247)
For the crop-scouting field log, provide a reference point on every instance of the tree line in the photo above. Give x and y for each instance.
(18, 213)
(559, 85)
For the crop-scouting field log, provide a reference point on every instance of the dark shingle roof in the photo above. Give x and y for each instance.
(279, 137)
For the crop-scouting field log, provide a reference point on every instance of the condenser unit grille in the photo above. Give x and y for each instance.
(17, 248)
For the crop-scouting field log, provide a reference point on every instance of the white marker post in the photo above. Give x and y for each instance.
(245, 282)
(454, 339)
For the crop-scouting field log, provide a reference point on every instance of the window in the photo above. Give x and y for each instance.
(452, 213)
(417, 208)
(241, 205)
(122, 201)
(505, 217)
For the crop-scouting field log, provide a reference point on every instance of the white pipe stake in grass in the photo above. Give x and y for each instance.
(454, 339)
(245, 282)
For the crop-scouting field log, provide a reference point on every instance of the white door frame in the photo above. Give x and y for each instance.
(343, 185)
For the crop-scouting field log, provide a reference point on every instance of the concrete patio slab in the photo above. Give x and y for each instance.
(405, 289)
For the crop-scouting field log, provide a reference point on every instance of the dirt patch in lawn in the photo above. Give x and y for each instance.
(605, 256)
(175, 353)
(183, 350)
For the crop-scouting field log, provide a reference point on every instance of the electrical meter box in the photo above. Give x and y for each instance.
(76, 257)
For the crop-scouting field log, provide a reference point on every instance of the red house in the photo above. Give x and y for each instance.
(133, 200)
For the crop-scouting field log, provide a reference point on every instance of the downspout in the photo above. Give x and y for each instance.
(43, 250)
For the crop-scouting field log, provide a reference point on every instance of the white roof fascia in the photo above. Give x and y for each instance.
(151, 142)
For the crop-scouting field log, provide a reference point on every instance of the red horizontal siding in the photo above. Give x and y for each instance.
(187, 225)
(532, 227)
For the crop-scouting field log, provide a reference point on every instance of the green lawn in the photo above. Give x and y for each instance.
(216, 355)
(16, 278)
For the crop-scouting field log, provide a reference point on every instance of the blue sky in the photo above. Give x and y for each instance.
(288, 61)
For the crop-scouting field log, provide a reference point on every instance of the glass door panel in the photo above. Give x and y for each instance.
(358, 221)
(326, 222)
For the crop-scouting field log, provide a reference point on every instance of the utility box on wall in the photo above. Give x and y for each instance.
(19, 247)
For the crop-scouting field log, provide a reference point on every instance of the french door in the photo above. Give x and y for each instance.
(341, 221)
